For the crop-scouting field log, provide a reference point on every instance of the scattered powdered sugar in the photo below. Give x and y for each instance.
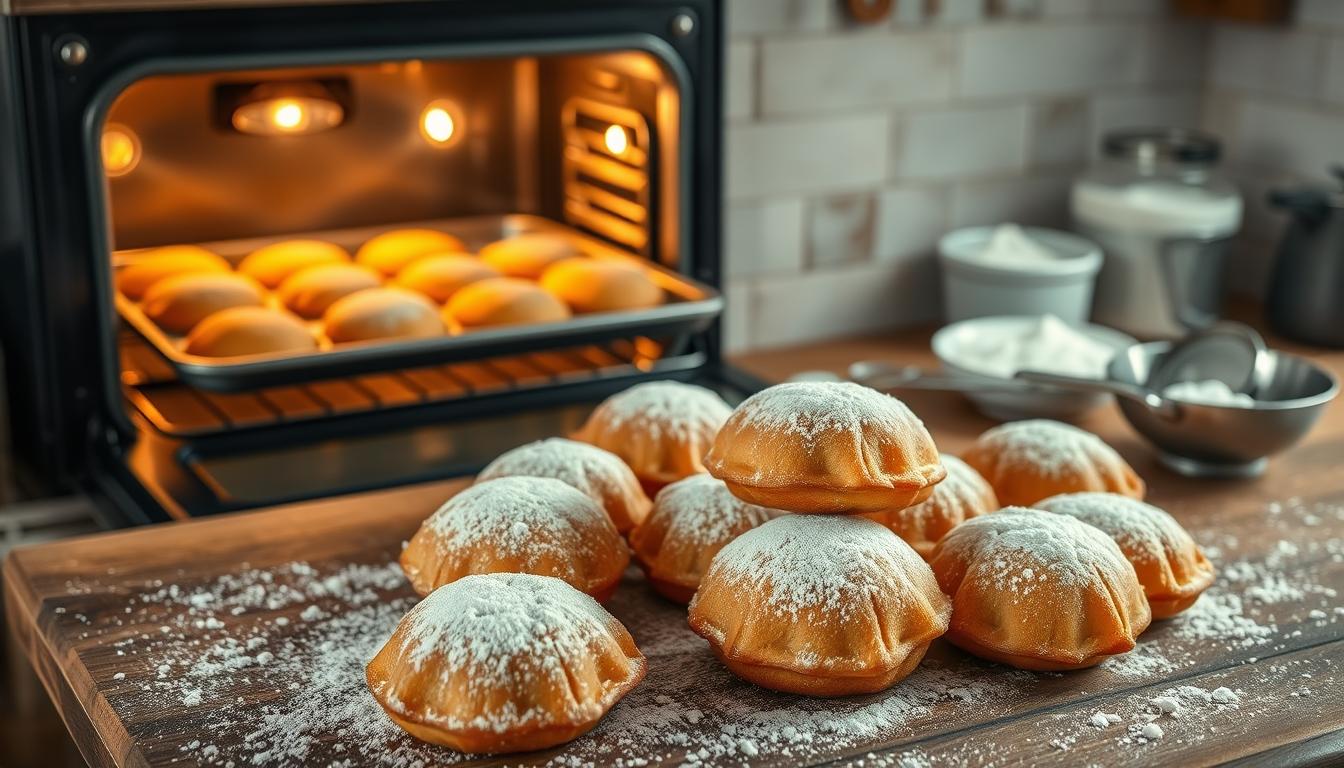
(700, 510)
(1052, 448)
(796, 562)
(811, 409)
(1022, 549)
(683, 412)
(529, 519)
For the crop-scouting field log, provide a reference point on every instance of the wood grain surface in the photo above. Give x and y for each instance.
(80, 612)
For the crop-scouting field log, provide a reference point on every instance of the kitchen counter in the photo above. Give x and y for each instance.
(240, 639)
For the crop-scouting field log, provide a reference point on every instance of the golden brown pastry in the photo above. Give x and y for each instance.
(381, 313)
(593, 285)
(505, 662)
(1026, 461)
(823, 605)
(521, 525)
(154, 265)
(1170, 566)
(529, 255)
(692, 520)
(661, 429)
(176, 304)
(439, 277)
(270, 265)
(825, 447)
(503, 301)
(600, 474)
(391, 251)
(249, 331)
(961, 495)
(1036, 590)
(312, 290)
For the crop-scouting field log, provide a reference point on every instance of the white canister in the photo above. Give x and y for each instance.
(1164, 218)
(974, 286)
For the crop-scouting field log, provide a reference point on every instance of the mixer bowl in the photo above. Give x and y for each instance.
(1227, 441)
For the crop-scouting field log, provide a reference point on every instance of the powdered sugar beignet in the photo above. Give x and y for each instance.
(1039, 591)
(535, 525)
(819, 605)
(692, 520)
(1026, 461)
(1170, 566)
(504, 662)
(661, 429)
(829, 447)
(962, 495)
(600, 474)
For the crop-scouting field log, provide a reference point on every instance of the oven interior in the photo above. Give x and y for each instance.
(590, 143)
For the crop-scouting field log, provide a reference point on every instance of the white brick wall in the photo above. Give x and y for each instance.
(852, 149)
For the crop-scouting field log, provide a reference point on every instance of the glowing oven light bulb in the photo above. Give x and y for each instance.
(616, 140)
(120, 149)
(288, 115)
(438, 125)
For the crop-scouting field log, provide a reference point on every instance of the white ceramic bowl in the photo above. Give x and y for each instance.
(1060, 287)
(1035, 401)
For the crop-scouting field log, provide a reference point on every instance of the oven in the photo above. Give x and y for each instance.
(128, 126)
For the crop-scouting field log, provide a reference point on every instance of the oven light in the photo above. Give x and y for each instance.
(616, 140)
(120, 149)
(438, 125)
(287, 115)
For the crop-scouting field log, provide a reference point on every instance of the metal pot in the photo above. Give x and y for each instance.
(1306, 292)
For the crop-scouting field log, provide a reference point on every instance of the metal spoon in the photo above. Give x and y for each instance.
(1232, 353)
(879, 375)
(1162, 406)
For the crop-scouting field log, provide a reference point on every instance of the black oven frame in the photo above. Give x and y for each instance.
(69, 428)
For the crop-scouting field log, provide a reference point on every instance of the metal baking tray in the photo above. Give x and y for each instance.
(690, 307)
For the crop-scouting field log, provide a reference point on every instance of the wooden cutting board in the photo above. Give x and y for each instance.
(240, 639)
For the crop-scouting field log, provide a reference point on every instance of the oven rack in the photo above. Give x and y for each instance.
(176, 409)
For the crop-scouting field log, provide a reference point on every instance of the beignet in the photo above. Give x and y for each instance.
(441, 276)
(598, 473)
(1170, 566)
(1041, 591)
(177, 303)
(505, 662)
(271, 264)
(823, 605)
(692, 520)
(503, 301)
(518, 525)
(391, 251)
(825, 447)
(249, 331)
(962, 495)
(661, 429)
(1026, 461)
(601, 285)
(154, 265)
(529, 254)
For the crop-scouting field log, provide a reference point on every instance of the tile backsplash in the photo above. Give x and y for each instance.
(851, 149)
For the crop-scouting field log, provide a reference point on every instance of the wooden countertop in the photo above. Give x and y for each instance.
(114, 623)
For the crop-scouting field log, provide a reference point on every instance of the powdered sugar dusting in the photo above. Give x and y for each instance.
(701, 510)
(1022, 550)
(797, 562)
(810, 409)
(1142, 530)
(680, 411)
(508, 632)
(531, 520)
(599, 474)
(1052, 448)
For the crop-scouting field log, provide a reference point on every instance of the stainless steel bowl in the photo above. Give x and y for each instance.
(1226, 441)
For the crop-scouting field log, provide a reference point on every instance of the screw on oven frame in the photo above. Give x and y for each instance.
(683, 24)
(72, 50)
